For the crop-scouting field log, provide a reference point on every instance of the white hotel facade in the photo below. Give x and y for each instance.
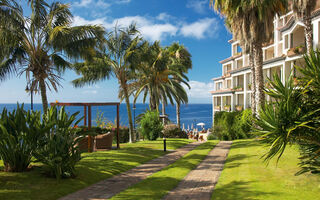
(232, 90)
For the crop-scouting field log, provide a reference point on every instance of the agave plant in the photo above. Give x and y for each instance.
(19, 134)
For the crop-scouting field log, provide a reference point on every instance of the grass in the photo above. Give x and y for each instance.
(91, 169)
(246, 176)
(160, 183)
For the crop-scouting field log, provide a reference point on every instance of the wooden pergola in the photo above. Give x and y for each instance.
(87, 107)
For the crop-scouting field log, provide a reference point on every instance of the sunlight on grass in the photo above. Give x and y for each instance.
(246, 176)
(160, 183)
(91, 169)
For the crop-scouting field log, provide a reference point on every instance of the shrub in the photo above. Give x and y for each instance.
(232, 125)
(173, 131)
(212, 137)
(19, 134)
(58, 149)
(150, 125)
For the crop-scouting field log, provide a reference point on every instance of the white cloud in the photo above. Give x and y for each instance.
(82, 3)
(164, 17)
(201, 28)
(199, 90)
(154, 28)
(103, 4)
(79, 21)
(90, 92)
(198, 6)
(99, 3)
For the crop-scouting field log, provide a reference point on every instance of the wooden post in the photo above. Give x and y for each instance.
(118, 122)
(85, 116)
(89, 127)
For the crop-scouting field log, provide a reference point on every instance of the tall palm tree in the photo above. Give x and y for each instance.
(156, 80)
(302, 10)
(257, 16)
(117, 60)
(9, 15)
(43, 44)
(180, 62)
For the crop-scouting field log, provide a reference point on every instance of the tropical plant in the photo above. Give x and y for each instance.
(248, 19)
(58, 148)
(42, 44)
(156, 79)
(150, 125)
(19, 134)
(180, 62)
(173, 131)
(232, 125)
(302, 10)
(115, 59)
(293, 116)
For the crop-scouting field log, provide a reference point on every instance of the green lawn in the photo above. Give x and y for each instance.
(91, 169)
(245, 176)
(160, 183)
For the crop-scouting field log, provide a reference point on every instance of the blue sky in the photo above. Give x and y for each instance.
(190, 22)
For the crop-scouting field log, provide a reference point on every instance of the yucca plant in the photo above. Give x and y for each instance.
(58, 149)
(293, 116)
(19, 134)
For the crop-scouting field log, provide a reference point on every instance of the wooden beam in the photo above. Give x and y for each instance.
(86, 104)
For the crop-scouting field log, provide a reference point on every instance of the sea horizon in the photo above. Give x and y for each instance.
(191, 113)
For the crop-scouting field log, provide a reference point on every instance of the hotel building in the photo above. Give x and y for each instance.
(232, 90)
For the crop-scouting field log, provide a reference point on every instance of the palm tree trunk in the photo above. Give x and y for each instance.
(308, 33)
(253, 84)
(43, 91)
(258, 64)
(132, 136)
(178, 114)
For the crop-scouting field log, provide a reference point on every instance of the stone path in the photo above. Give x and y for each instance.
(107, 188)
(200, 182)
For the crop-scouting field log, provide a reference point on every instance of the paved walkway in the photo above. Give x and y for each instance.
(107, 188)
(200, 182)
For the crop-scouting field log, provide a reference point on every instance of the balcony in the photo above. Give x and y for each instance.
(268, 53)
(295, 51)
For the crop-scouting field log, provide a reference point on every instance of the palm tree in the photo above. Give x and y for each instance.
(116, 59)
(302, 9)
(180, 62)
(9, 14)
(156, 80)
(257, 16)
(42, 45)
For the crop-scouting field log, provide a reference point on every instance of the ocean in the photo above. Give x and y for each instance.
(190, 113)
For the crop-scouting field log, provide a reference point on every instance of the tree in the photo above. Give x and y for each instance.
(117, 59)
(42, 44)
(157, 80)
(180, 62)
(256, 17)
(293, 116)
(302, 9)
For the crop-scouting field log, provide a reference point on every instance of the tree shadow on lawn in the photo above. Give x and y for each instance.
(239, 190)
(156, 188)
(245, 144)
(233, 161)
